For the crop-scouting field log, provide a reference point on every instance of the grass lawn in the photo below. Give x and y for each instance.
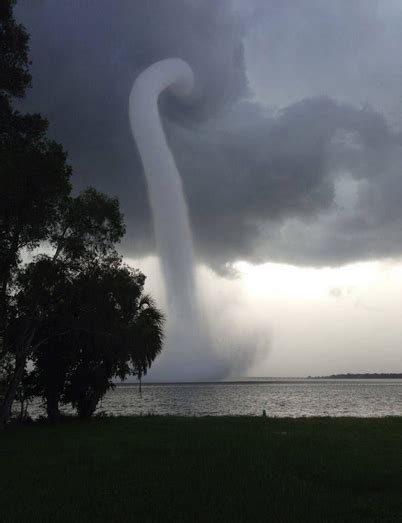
(203, 469)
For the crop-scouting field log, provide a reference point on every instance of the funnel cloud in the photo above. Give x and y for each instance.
(169, 209)
(187, 333)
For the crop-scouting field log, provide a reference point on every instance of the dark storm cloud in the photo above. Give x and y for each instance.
(347, 49)
(251, 171)
(247, 172)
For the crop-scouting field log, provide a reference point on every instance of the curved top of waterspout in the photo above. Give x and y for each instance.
(172, 73)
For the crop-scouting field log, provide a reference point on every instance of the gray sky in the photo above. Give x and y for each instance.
(290, 151)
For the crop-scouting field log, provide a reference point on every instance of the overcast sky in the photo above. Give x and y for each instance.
(290, 154)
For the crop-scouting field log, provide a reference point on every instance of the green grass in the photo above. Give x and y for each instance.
(203, 469)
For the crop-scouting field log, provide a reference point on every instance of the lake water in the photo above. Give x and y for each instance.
(279, 397)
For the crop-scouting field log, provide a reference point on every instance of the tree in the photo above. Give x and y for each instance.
(42, 316)
(109, 329)
(14, 61)
(92, 321)
(34, 182)
(114, 321)
(85, 229)
(33, 172)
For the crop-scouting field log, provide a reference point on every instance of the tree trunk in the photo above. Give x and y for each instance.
(52, 408)
(9, 260)
(20, 362)
(5, 408)
(88, 406)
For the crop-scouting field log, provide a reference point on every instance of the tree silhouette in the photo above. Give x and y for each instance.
(78, 313)
(34, 181)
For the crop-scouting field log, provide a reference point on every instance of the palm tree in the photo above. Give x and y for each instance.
(108, 329)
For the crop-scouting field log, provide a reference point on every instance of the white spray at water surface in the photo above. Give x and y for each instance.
(187, 341)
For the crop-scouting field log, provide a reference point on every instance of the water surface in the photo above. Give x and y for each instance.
(279, 397)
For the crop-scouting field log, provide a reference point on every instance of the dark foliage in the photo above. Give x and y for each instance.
(78, 313)
(104, 328)
(34, 182)
(14, 62)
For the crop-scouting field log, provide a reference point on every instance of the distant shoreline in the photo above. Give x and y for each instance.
(271, 380)
(367, 376)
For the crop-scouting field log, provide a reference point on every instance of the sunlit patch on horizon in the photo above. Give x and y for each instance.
(356, 307)
(289, 281)
(308, 284)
